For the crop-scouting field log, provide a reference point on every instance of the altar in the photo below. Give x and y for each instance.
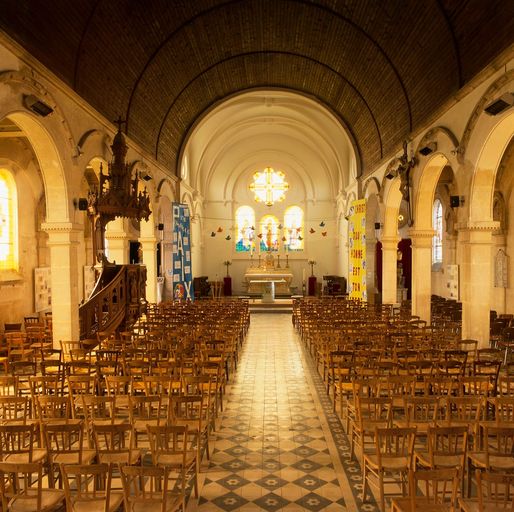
(258, 278)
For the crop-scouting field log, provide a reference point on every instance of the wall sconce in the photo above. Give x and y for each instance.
(37, 106)
(500, 104)
(80, 204)
(428, 148)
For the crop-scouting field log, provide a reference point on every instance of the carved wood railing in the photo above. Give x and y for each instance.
(116, 302)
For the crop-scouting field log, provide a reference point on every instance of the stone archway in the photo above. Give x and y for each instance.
(64, 234)
(487, 146)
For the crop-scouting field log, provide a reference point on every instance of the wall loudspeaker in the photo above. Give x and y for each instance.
(160, 227)
(80, 203)
(377, 225)
(454, 201)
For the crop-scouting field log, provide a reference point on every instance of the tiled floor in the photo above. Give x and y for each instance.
(278, 446)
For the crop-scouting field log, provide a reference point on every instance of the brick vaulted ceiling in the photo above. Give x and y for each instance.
(382, 66)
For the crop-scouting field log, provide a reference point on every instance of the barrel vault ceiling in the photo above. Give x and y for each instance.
(381, 66)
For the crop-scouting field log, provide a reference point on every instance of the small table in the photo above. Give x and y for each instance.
(268, 293)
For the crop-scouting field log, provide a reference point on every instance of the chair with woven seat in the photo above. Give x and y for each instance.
(495, 493)
(495, 450)
(89, 488)
(152, 489)
(146, 410)
(173, 447)
(440, 487)
(22, 489)
(114, 444)
(64, 443)
(18, 444)
(370, 413)
(393, 456)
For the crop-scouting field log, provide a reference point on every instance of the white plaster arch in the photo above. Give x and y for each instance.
(487, 152)
(392, 199)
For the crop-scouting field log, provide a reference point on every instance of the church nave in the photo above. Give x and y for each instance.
(278, 445)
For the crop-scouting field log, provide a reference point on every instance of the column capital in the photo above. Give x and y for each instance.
(61, 227)
(480, 226)
(390, 242)
(421, 238)
(148, 240)
(421, 233)
(62, 233)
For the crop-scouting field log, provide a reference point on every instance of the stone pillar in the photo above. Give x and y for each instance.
(421, 272)
(117, 242)
(371, 278)
(63, 242)
(149, 245)
(389, 262)
(476, 281)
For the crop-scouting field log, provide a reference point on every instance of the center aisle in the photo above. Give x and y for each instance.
(274, 447)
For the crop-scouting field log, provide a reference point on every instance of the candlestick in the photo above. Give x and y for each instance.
(278, 261)
(287, 260)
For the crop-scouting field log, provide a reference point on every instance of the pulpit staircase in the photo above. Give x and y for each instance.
(116, 302)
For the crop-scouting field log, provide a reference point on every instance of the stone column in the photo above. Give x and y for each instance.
(421, 272)
(63, 242)
(117, 242)
(389, 262)
(476, 281)
(371, 242)
(149, 245)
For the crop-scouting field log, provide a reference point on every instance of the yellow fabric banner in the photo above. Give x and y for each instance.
(357, 245)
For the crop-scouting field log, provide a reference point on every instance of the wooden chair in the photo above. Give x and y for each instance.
(440, 488)
(495, 493)
(421, 412)
(18, 444)
(152, 489)
(88, 487)
(393, 456)
(22, 489)
(495, 451)
(190, 410)
(173, 447)
(114, 444)
(146, 410)
(370, 413)
(14, 409)
(65, 445)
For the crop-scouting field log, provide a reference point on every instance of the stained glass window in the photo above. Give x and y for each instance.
(269, 186)
(269, 232)
(245, 225)
(8, 222)
(437, 224)
(293, 229)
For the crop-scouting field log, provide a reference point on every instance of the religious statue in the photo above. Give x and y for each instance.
(269, 236)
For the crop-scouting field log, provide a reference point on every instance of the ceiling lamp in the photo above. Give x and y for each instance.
(118, 195)
(269, 186)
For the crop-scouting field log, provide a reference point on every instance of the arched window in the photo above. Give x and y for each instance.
(293, 229)
(245, 225)
(437, 224)
(269, 233)
(8, 222)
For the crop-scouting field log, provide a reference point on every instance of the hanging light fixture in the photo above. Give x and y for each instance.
(118, 195)
(269, 186)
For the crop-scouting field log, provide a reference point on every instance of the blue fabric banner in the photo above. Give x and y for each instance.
(182, 272)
